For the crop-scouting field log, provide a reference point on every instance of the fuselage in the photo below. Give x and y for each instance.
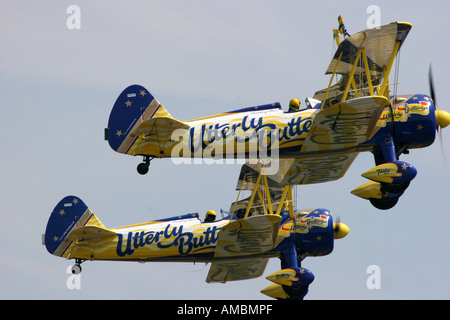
(240, 133)
(268, 131)
(188, 239)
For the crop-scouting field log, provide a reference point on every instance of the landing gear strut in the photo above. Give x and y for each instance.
(298, 287)
(142, 168)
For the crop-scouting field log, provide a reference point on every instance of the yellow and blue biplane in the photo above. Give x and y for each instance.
(238, 246)
(312, 145)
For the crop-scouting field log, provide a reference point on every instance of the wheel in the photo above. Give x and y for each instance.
(142, 168)
(76, 269)
(395, 187)
(384, 203)
(296, 293)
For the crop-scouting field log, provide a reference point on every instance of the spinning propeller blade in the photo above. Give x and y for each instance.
(442, 116)
(431, 86)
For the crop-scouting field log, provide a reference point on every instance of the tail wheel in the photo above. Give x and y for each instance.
(76, 269)
(142, 168)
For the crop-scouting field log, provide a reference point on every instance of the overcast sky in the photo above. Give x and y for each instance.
(198, 58)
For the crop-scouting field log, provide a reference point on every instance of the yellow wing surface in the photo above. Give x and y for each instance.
(350, 108)
(344, 125)
(239, 248)
(333, 142)
(364, 61)
(379, 43)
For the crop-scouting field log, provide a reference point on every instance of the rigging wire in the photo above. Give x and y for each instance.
(397, 69)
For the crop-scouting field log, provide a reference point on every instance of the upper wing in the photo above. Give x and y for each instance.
(333, 142)
(344, 125)
(238, 246)
(380, 46)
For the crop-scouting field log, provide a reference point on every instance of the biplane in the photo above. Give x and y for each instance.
(238, 246)
(356, 113)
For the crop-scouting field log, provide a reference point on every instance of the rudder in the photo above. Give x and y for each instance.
(133, 106)
(69, 214)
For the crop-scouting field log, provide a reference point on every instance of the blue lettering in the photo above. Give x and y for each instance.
(128, 250)
(185, 241)
(251, 128)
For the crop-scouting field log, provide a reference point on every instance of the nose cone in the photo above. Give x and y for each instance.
(340, 230)
(442, 118)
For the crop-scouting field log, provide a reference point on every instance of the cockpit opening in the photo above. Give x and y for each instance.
(310, 103)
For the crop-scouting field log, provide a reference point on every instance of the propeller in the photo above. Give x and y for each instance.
(340, 230)
(442, 116)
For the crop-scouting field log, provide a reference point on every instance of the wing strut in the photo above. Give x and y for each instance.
(255, 189)
(364, 61)
(268, 197)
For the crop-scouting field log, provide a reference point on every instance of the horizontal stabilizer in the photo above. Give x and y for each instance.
(160, 127)
(90, 233)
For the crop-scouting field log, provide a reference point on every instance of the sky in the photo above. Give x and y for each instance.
(198, 58)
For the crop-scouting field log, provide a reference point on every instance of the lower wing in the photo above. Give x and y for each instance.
(240, 248)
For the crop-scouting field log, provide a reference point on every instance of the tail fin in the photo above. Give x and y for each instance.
(70, 213)
(133, 106)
